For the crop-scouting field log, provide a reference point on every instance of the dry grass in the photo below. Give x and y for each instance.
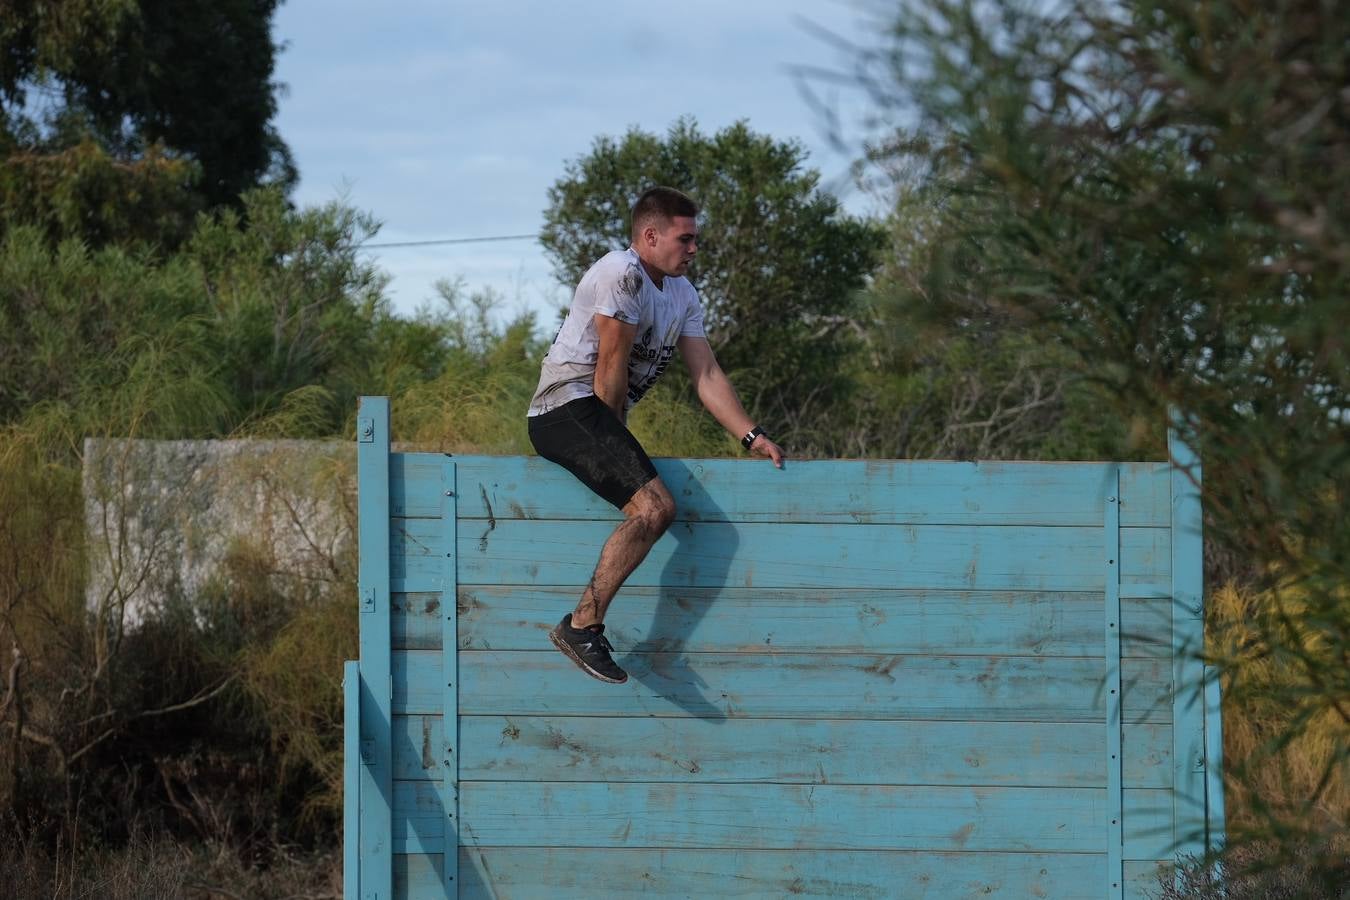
(1287, 788)
(159, 868)
(1265, 871)
(1285, 750)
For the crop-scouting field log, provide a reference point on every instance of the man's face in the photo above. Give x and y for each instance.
(675, 245)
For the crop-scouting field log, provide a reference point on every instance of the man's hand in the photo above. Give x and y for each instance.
(767, 448)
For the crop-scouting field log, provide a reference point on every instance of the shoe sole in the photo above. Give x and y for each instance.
(581, 664)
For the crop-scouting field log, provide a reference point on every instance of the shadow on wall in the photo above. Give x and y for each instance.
(706, 545)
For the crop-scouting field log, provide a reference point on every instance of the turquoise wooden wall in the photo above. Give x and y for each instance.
(848, 679)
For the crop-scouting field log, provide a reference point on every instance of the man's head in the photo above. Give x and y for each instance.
(665, 234)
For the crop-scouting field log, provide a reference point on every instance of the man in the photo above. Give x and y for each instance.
(630, 312)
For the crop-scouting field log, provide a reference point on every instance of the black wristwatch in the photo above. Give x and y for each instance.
(750, 436)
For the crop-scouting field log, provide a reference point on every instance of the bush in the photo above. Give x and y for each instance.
(152, 866)
(1261, 871)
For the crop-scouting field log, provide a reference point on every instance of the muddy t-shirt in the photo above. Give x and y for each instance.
(618, 286)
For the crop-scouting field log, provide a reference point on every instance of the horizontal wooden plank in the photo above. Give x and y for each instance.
(422, 556)
(426, 583)
(415, 620)
(1003, 623)
(1145, 561)
(800, 751)
(838, 491)
(540, 873)
(718, 686)
(421, 820)
(953, 557)
(778, 817)
(775, 816)
(417, 484)
(1144, 877)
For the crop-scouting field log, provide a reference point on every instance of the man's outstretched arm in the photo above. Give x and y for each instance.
(718, 396)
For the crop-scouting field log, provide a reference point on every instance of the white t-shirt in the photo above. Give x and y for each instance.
(618, 286)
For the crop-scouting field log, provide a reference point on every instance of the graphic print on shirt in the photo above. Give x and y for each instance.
(655, 360)
(631, 283)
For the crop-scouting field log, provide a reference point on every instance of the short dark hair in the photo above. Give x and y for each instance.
(663, 203)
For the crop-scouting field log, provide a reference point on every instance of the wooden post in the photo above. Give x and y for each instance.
(1115, 793)
(376, 782)
(351, 779)
(449, 784)
(1188, 645)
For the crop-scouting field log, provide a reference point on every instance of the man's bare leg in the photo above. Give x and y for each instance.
(646, 518)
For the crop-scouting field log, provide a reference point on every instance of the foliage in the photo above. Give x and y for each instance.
(968, 379)
(38, 37)
(1262, 872)
(83, 191)
(1157, 186)
(669, 424)
(194, 77)
(213, 716)
(778, 267)
(962, 394)
(477, 402)
(296, 680)
(289, 302)
(180, 719)
(154, 865)
(1284, 748)
(253, 308)
(81, 323)
(30, 870)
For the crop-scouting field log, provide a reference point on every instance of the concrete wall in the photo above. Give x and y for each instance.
(170, 520)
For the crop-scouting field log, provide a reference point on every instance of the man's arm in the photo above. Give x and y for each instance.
(611, 364)
(719, 397)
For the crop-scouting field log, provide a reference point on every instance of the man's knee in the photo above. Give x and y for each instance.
(654, 505)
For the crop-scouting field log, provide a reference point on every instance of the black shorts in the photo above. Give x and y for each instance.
(588, 440)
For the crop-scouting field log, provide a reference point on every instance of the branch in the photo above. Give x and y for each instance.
(109, 732)
(38, 737)
(304, 532)
(173, 797)
(92, 744)
(186, 704)
(213, 890)
(13, 680)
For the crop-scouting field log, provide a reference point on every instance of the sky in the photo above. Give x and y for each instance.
(450, 120)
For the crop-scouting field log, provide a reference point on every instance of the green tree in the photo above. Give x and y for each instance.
(290, 302)
(1159, 186)
(37, 36)
(76, 322)
(256, 306)
(141, 80)
(83, 192)
(779, 264)
(946, 374)
(198, 78)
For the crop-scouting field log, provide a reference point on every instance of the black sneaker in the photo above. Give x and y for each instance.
(589, 648)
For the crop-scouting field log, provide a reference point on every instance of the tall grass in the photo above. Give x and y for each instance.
(155, 866)
(1288, 763)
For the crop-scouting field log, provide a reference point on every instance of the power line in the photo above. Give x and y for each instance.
(472, 240)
